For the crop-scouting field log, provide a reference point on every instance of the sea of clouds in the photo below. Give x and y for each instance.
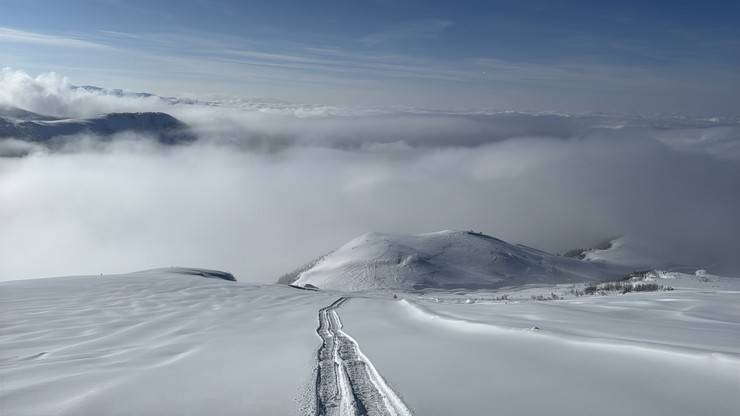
(270, 185)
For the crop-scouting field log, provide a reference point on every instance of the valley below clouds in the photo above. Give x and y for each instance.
(268, 185)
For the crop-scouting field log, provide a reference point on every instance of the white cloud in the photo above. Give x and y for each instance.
(21, 36)
(270, 185)
(52, 94)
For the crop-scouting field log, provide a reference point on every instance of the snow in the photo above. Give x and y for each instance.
(172, 341)
(660, 353)
(445, 259)
(211, 274)
(154, 343)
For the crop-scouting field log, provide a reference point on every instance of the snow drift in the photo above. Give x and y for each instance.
(443, 260)
(190, 271)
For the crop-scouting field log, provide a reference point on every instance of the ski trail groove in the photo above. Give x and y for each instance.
(347, 383)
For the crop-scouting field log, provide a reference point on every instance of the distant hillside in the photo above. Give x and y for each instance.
(444, 260)
(24, 125)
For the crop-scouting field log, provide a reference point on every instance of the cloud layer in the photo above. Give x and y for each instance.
(271, 185)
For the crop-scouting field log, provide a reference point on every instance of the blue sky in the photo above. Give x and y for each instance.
(659, 56)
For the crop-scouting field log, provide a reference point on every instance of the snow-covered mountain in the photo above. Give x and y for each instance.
(442, 260)
(25, 125)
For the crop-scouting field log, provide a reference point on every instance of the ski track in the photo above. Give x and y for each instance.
(347, 383)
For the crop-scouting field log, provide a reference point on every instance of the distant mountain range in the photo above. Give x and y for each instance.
(117, 92)
(53, 132)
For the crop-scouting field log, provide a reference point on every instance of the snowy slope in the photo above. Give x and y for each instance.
(445, 259)
(170, 341)
(660, 353)
(9, 114)
(167, 342)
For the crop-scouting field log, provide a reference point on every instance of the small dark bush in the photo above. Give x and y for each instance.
(648, 287)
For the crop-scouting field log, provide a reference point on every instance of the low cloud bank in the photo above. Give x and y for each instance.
(269, 186)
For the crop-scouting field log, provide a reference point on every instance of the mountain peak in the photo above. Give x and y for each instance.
(449, 259)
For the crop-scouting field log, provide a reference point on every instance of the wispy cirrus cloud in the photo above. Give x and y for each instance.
(306, 59)
(373, 70)
(10, 35)
(416, 29)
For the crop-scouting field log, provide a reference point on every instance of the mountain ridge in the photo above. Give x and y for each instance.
(25, 125)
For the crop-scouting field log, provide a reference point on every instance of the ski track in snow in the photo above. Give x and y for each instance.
(347, 383)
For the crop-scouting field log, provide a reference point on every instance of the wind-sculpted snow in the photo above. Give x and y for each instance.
(169, 341)
(154, 343)
(347, 383)
(660, 354)
(446, 259)
(189, 271)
